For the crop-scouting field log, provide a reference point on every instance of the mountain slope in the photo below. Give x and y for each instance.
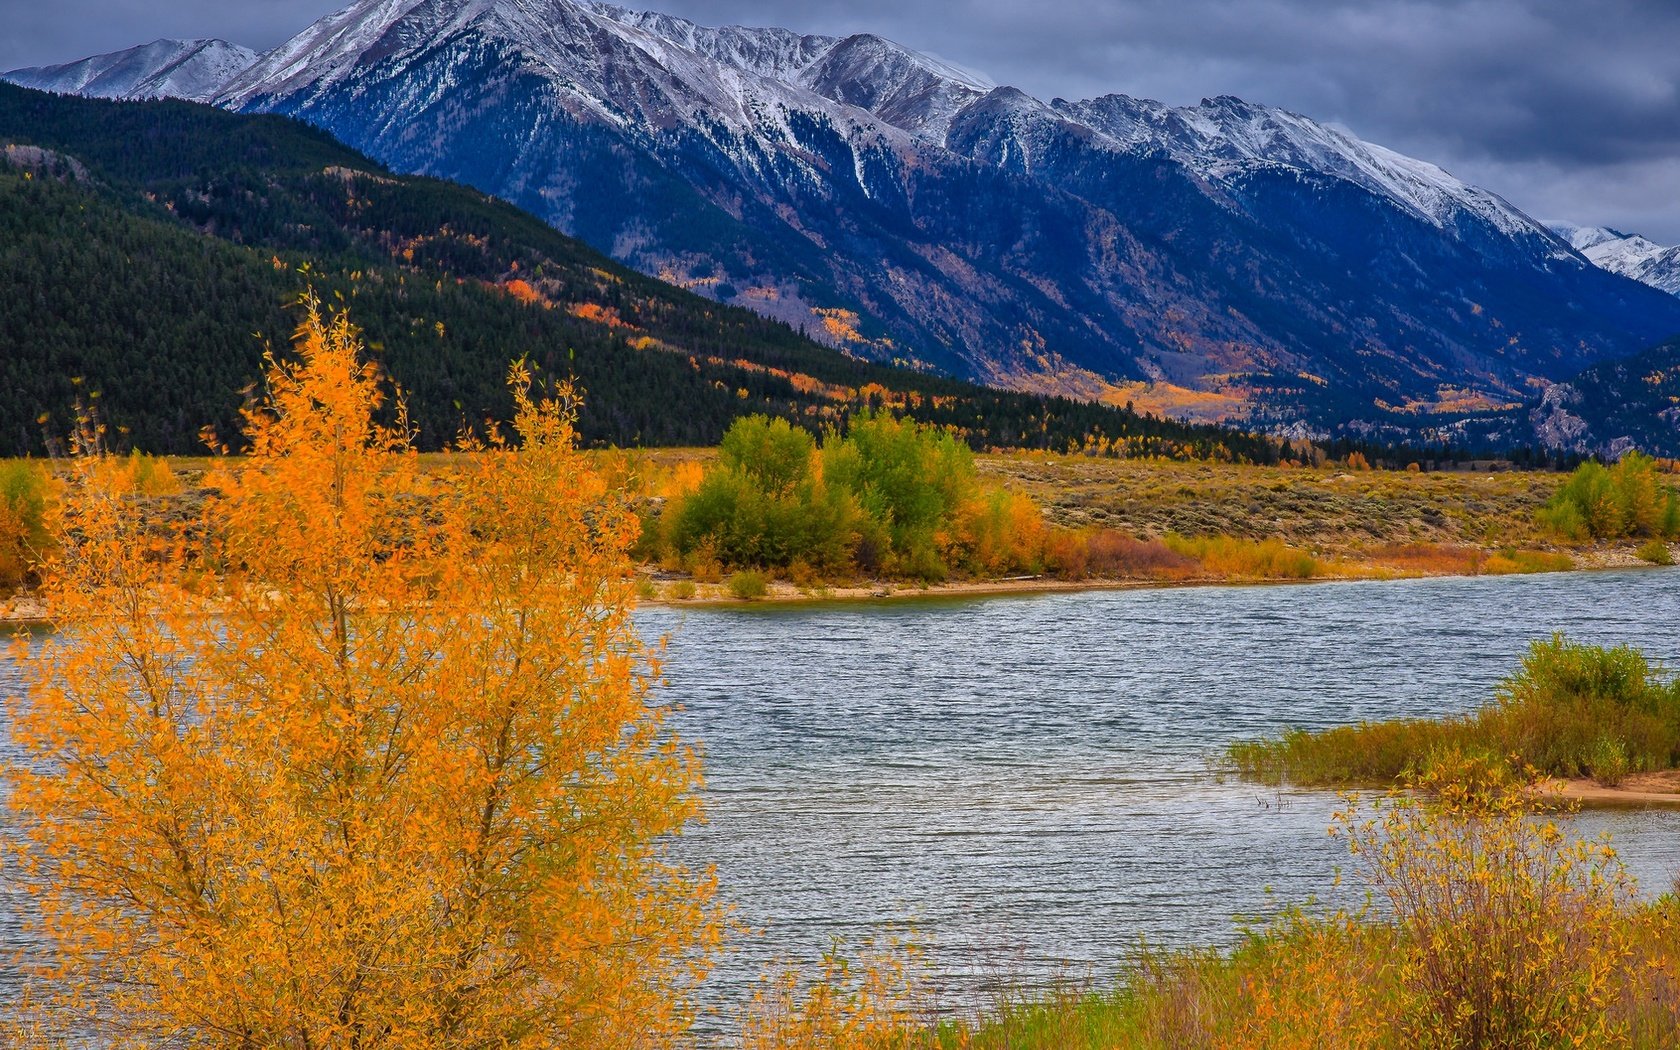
(1224, 260)
(148, 251)
(186, 69)
(1219, 261)
(1630, 403)
(1627, 254)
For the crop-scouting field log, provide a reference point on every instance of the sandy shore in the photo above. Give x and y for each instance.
(1636, 789)
(21, 611)
(25, 610)
(665, 585)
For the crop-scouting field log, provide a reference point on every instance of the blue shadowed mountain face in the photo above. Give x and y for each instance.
(1222, 261)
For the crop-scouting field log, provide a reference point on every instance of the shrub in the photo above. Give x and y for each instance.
(908, 479)
(24, 536)
(1510, 933)
(151, 475)
(764, 504)
(1113, 553)
(1657, 552)
(1067, 554)
(1496, 930)
(1234, 557)
(1513, 562)
(1000, 532)
(1570, 710)
(683, 590)
(1567, 698)
(747, 585)
(1606, 503)
(889, 496)
(1428, 559)
(1369, 754)
(870, 1003)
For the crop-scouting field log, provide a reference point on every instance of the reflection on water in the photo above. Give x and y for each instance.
(1026, 782)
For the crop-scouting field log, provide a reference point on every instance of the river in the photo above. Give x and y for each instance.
(1029, 785)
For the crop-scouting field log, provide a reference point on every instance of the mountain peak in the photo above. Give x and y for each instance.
(1232, 259)
(189, 69)
(1625, 253)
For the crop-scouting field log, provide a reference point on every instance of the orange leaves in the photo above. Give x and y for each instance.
(521, 289)
(595, 313)
(386, 774)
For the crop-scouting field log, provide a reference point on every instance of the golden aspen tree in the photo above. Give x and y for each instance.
(366, 757)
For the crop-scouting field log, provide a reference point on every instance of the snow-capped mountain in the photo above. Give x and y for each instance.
(1625, 253)
(190, 69)
(1220, 260)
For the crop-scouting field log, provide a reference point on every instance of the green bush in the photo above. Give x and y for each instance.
(747, 585)
(763, 505)
(1607, 503)
(1570, 710)
(23, 525)
(889, 496)
(910, 480)
(1656, 552)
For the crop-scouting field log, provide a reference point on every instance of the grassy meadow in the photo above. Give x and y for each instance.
(1028, 520)
(1108, 522)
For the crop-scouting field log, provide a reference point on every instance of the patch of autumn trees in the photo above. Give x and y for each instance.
(1629, 499)
(364, 756)
(889, 496)
(894, 498)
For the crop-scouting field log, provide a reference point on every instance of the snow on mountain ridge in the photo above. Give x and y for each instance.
(745, 77)
(1627, 254)
(649, 71)
(190, 69)
(1223, 136)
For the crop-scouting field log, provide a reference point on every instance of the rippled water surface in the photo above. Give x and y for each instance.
(1027, 782)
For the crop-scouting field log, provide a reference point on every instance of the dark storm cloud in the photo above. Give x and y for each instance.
(1570, 109)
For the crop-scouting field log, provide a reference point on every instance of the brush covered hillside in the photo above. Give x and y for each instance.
(1631, 403)
(151, 251)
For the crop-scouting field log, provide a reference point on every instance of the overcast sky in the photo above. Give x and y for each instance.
(1568, 108)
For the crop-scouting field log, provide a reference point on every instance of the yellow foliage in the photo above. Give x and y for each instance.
(1000, 531)
(1510, 933)
(869, 1005)
(385, 775)
(1235, 557)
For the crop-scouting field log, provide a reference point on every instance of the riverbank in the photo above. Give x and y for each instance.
(673, 589)
(1637, 790)
(1118, 524)
(667, 589)
(1173, 524)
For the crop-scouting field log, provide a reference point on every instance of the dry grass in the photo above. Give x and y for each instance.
(1326, 510)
